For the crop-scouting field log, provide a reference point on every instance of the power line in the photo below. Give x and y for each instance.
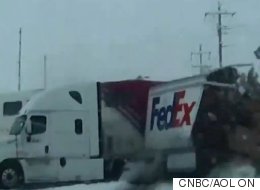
(200, 53)
(220, 28)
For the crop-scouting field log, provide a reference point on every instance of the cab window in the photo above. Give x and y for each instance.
(78, 126)
(11, 108)
(76, 96)
(38, 123)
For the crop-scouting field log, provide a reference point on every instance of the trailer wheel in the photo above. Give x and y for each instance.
(11, 176)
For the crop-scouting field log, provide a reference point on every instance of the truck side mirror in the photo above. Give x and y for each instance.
(28, 128)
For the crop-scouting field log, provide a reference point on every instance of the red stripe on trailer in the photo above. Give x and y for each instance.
(130, 98)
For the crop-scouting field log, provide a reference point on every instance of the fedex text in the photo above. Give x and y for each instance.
(162, 114)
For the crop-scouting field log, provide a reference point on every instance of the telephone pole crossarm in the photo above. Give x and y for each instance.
(219, 13)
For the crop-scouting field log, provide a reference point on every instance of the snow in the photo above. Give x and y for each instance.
(115, 186)
(161, 186)
(142, 171)
(95, 186)
(227, 170)
(234, 169)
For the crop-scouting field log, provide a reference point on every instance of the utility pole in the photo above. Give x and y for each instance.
(200, 53)
(19, 59)
(220, 13)
(45, 71)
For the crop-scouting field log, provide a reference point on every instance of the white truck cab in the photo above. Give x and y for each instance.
(52, 140)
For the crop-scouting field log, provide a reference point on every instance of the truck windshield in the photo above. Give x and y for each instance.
(18, 125)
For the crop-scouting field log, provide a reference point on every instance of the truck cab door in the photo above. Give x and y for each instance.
(35, 142)
(35, 150)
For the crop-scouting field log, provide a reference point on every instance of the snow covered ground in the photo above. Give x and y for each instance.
(115, 186)
(233, 169)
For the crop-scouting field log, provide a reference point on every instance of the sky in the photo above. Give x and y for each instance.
(105, 40)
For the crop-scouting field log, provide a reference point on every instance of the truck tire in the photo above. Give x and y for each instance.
(114, 169)
(118, 167)
(11, 176)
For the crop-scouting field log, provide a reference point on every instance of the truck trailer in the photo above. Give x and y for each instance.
(88, 131)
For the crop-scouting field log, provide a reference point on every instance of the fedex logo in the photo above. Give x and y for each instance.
(161, 114)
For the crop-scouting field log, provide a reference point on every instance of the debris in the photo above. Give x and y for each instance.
(228, 120)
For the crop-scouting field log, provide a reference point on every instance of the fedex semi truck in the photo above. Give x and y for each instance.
(87, 131)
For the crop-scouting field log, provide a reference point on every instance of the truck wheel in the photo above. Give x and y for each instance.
(118, 167)
(114, 169)
(11, 177)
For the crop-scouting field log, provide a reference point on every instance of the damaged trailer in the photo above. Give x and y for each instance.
(222, 121)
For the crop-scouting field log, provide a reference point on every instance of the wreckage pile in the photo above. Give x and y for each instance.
(228, 121)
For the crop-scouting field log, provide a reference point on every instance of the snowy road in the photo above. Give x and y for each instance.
(115, 186)
(228, 170)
